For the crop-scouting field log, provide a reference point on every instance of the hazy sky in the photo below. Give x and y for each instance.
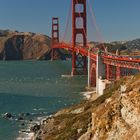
(116, 19)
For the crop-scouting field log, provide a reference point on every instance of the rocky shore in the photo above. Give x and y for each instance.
(33, 130)
(112, 115)
(29, 123)
(69, 123)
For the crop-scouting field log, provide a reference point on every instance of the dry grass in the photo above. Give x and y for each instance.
(66, 124)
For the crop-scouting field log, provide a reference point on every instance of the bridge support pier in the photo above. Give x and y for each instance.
(110, 72)
(55, 37)
(107, 72)
(92, 72)
(118, 73)
(79, 36)
(113, 73)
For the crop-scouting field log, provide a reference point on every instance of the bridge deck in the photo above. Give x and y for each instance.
(114, 60)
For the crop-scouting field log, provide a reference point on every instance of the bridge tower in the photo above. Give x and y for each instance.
(55, 36)
(79, 62)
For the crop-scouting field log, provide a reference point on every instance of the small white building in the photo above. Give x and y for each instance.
(102, 85)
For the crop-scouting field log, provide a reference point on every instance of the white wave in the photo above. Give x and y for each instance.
(87, 94)
(26, 136)
(66, 76)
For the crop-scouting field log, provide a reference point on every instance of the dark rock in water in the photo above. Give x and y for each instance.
(27, 114)
(20, 118)
(21, 115)
(7, 115)
(22, 124)
(35, 128)
(31, 120)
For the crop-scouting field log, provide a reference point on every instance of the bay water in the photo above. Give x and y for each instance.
(35, 87)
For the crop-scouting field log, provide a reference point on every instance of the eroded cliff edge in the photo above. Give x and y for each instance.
(119, 116)
(115, 115)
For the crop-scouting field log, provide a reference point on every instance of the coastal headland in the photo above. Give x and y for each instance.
(112, 115)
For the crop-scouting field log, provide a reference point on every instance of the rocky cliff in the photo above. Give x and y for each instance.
(119, 116)
(16, 45)
(115, 115)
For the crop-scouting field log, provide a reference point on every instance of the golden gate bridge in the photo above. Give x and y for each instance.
(102, 64)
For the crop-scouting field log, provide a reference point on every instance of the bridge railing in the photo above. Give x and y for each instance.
(121, 58)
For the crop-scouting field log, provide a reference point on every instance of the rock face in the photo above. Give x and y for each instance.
(23, 46)
(112, 116)
(119, 116)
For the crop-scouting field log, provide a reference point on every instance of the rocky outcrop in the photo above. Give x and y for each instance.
(113, 116)
(16, 45)
(119, 116)
(7, 115)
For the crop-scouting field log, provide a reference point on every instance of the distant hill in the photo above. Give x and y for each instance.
(16, 45)
(130, 45)
(133, 45)
(124, 46)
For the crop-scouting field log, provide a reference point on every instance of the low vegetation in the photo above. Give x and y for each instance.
(71, 123)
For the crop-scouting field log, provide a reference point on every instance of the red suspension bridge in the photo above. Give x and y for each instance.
(102, 64)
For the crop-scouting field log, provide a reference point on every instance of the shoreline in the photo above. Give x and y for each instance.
(31, 132)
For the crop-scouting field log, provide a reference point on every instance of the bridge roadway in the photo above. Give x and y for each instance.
(108, 59)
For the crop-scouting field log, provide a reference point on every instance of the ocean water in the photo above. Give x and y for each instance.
(35, 87)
